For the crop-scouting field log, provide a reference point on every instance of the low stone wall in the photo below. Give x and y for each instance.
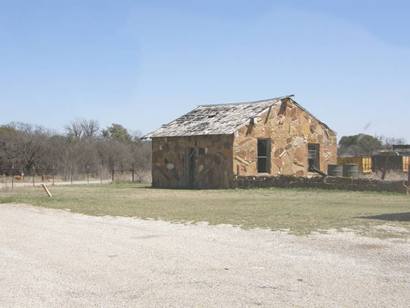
(320, 182)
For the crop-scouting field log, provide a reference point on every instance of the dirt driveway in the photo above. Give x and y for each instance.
(53, 258)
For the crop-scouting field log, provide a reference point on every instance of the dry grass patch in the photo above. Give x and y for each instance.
(296, 210)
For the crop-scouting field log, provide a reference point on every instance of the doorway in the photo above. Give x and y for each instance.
(191, 167)
(313, 157)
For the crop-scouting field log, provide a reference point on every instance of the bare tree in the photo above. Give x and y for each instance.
(90, 128)
(82, 149)
(74, 129)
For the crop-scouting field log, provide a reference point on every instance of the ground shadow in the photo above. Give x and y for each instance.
(142, 187)
(390, 217)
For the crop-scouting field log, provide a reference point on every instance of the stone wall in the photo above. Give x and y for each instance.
(192, 162)
(290, 129)
(339, 183)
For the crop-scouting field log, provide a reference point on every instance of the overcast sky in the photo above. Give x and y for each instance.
(143, 63)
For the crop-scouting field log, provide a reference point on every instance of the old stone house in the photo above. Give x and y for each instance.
(214, 144)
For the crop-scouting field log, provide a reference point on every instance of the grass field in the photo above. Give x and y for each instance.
(299, 211)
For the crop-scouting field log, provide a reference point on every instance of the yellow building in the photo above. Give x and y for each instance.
(406, 163)
(364, 162)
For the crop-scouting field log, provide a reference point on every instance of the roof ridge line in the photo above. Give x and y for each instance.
(249, 102)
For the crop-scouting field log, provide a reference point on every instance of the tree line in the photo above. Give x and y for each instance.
(362, 144)
(83, 148)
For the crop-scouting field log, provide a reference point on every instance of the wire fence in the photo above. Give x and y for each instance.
(10, 180)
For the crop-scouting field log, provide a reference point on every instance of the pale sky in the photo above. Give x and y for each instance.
(144, 63)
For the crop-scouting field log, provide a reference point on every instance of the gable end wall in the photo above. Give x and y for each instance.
(290, 130)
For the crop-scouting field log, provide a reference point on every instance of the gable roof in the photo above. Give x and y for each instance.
(220, 119)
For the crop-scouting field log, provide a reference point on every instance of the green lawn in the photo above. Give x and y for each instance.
(300, 211)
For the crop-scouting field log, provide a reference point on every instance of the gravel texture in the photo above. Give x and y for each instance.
(53, 258)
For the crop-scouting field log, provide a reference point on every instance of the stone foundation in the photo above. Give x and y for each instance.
(338, 183)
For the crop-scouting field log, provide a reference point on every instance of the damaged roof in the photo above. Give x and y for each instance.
(220, 119)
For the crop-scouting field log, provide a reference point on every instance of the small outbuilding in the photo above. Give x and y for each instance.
(213, 144)
(395, 160)
(364, 162)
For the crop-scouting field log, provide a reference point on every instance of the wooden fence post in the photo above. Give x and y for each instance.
(101, 174)
(88, 174)
(47, 190)
(408, 179)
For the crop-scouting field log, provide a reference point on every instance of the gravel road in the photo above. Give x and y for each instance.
(53, 258)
